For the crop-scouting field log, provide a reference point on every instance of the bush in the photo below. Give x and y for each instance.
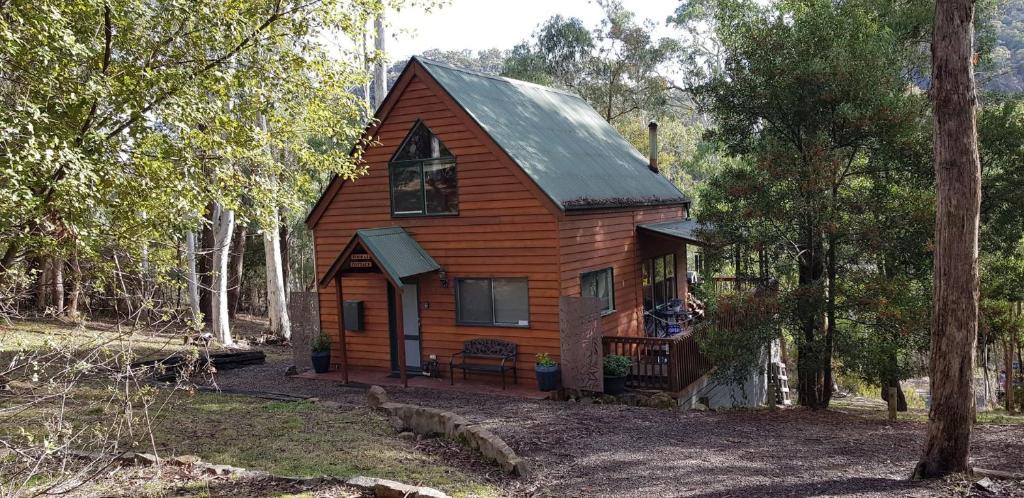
(616, 366)
(321, 344)
(545, 360)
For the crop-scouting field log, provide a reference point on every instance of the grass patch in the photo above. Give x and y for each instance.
(283, 438)
(918, 413)
(301, 439)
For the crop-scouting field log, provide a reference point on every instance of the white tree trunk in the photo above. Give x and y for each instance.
(193, 277)
(276, 306)
(58, 285)
(380, 73)
(223, 227)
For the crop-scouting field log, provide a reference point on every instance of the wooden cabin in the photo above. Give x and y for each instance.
(484, 201)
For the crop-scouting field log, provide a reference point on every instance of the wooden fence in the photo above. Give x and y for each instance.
(668, 364)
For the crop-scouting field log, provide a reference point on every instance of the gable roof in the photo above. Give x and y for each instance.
(397, 253)
(569, 151)
(576, 157)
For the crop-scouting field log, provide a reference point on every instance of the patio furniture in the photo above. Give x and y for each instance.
(486, 356)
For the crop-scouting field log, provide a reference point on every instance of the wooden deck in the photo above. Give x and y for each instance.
(660, 363)
(482, 384)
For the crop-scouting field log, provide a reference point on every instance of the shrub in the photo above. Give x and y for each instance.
(616, 366)
(321, 344)
(545, 360)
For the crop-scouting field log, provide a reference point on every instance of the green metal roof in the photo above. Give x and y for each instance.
(398, 254)
(685, 229)
(577, 158)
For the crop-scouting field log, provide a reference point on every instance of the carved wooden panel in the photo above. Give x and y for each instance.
(304, 314)
(581, 353)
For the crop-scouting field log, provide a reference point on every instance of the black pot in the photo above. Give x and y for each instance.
(321, 361)
(548, 378)
(614, 385)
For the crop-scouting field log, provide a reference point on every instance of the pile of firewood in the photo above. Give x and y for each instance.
(174, 366)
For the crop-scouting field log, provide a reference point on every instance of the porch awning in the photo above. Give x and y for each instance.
(684, 229)
(389, 250)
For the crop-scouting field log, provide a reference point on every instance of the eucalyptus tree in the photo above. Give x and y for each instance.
(809, 93)
(123, 119)
(618, 67)
(958, 192)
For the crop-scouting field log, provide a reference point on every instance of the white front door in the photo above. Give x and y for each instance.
(411, 319)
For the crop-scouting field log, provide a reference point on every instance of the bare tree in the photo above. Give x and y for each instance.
(958, 188)
(380, 72)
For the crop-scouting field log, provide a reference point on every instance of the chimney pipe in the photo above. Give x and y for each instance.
(652, 130)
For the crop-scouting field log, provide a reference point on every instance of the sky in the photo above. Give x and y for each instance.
(483, 24)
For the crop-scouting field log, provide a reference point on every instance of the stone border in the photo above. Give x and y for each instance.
(380, 488)
(434, 422)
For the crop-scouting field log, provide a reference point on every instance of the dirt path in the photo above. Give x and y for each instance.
(599, 450)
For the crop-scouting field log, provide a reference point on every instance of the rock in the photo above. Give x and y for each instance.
(397, 424)
(987, 485)
(662, 400)
(331, 405)
(425, 492)
(700, 407)
(587, 400)
(291, 370)
(139, 459)
(362, 482)
(220, 470)
(376, 396)
(393, 489)
(313, 400)
(185, 460)
(408, 436)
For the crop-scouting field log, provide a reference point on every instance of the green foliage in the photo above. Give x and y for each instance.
(545, 360)
(617, 366)
(737, 334)
(816, 98)
(322, 344)
(616, 67)
(124, 119)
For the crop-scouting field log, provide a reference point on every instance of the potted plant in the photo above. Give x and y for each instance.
(548, 373)
(615, 370)
(321, 354)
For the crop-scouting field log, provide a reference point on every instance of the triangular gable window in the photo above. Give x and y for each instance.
(422, 176)
(421, 144)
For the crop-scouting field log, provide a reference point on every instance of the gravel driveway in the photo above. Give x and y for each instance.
(580, 449)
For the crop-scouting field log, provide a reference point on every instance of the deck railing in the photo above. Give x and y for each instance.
(668, 364)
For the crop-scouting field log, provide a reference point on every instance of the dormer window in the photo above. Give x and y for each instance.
(422, 176)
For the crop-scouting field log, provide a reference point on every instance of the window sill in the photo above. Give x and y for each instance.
(412, 215)
(492, 325)
(608, 312)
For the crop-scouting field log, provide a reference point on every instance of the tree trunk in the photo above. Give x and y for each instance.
(235, 270)
(276, 306)
(224, 225)
(193, 278)
(57, 279)
(958, 189)
(1010, 405)
(76, 287)
(284, 252)
(43, 287)
(205, 251)
(380, 71)
(812, 352)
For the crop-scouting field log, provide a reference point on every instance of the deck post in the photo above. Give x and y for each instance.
(341, 328)
(400, 332)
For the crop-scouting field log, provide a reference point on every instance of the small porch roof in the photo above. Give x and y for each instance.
(394, 251)
(685, 229)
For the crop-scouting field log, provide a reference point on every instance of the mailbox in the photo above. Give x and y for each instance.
(353, 312)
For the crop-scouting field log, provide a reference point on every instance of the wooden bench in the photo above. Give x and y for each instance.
(486, 349)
